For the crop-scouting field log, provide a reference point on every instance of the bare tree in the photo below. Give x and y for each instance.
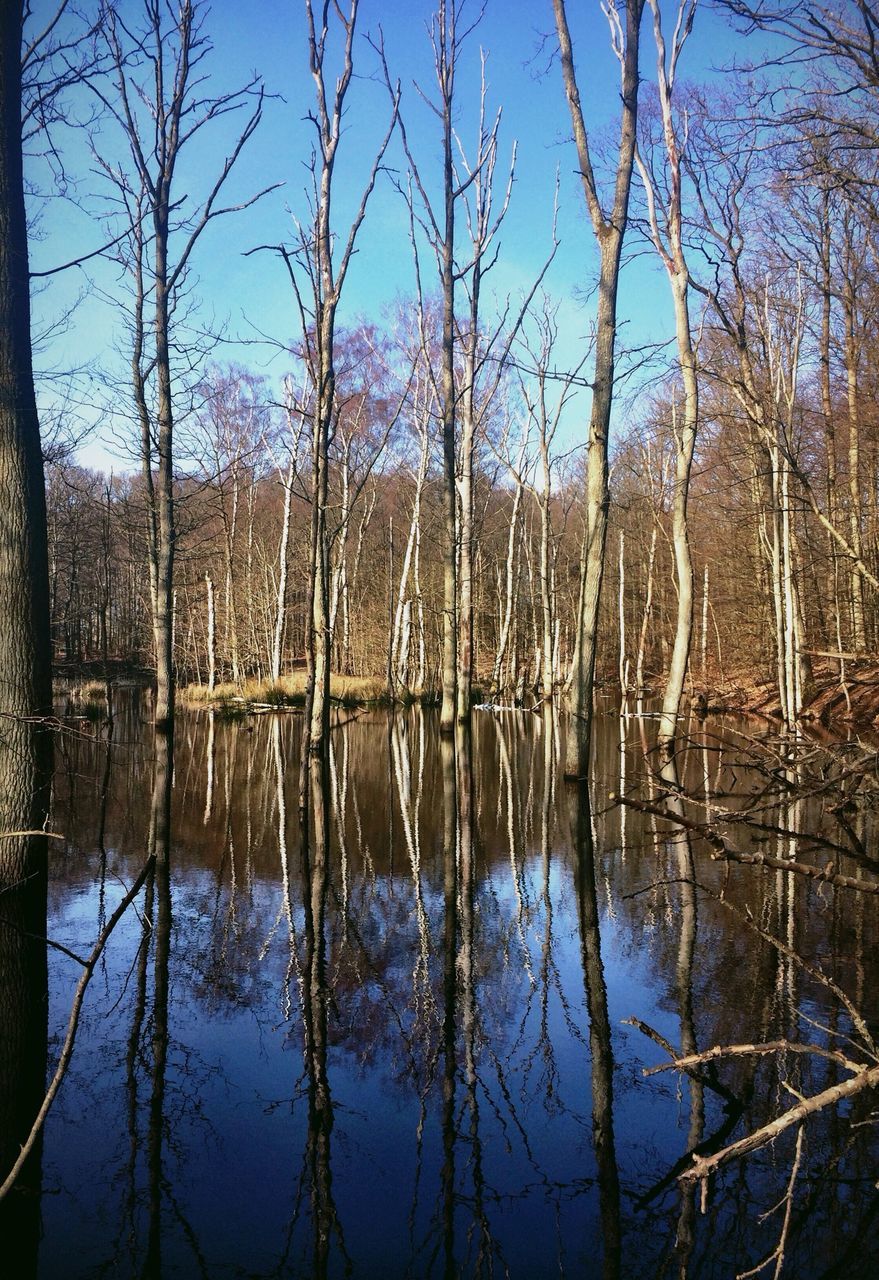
(609, 227)
(25, 655)
(545, 411)
(320, 258)
(845, 33)
(25, 664)
(463, 394)
(158, 100)
(661, 173)
(447, 38)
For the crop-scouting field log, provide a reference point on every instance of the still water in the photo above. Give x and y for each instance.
(397, 1044)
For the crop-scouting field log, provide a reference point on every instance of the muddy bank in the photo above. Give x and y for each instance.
(849, 698)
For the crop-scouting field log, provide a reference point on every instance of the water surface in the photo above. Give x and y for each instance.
(395, 1043)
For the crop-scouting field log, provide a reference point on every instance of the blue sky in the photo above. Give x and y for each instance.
(244, 295)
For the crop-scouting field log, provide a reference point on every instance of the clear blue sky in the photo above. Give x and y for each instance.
(244, 295)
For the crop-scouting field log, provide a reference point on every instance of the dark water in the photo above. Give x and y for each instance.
(398, 1047)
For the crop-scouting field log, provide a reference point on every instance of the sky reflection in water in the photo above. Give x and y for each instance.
(399, 1049)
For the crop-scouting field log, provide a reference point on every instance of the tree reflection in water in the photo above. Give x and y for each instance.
(23, 1048)
(160, 847)
(601, 1053)
(315, 882)
(389, 1039)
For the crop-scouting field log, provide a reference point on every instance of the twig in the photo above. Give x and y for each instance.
(743, 1050)
(703, 1166)
(777, 1254)
(50, 835)
(72, 1026)
(688, 1064)
(723, 850)
(813, 970)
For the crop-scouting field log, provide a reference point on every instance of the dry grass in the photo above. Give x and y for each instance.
(286, 692)
(90, 691)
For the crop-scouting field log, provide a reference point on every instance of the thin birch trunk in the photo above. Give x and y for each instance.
(645, 616)
(621, 614)
(669, 244)
(859, 639)
(212, 636)
(283, 563)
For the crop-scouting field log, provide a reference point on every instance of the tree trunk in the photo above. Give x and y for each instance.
(546, 594)
(669, 243)
(609, 232)
(450, 567)
(212, 635)
(163, 613)
(685, 443)
(645, 616)
(321, 637)
(859, 640)
(509, 594)
(25, 650)
(25, 688)
(621, 610)
(465, 585)
(283, 562)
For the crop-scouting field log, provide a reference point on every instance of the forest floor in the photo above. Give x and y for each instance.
(850, 698)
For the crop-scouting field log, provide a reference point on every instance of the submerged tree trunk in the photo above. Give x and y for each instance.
(601, 1051)
(465, 490)
(25, 652)
(447, 389)
(609, 232)
(160, 849)
(666, 232)
(25, 690)
(685, 440)
(163, 600)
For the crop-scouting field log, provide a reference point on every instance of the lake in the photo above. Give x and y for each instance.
(399, 1043)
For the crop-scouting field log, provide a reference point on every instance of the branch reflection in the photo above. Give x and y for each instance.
(599, 1030)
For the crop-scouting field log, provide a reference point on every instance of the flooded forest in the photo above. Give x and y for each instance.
(439, 639)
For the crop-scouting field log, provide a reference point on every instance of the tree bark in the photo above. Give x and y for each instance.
(212, 635)
(25, 687)
(670, 247)
(609, 232)
(25, 651)
(446, 71)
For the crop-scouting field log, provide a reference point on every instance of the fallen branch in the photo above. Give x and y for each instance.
(722, 850)
(703, 1166)
(752, 1050)
(777, 1254)
(688, 1064)
(72, 1026)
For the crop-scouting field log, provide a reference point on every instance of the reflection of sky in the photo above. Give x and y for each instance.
(239, 1127)
(235, 1112)
(246, 297)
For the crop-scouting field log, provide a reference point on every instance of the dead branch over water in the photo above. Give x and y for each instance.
(721, 849)
(89, 966)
